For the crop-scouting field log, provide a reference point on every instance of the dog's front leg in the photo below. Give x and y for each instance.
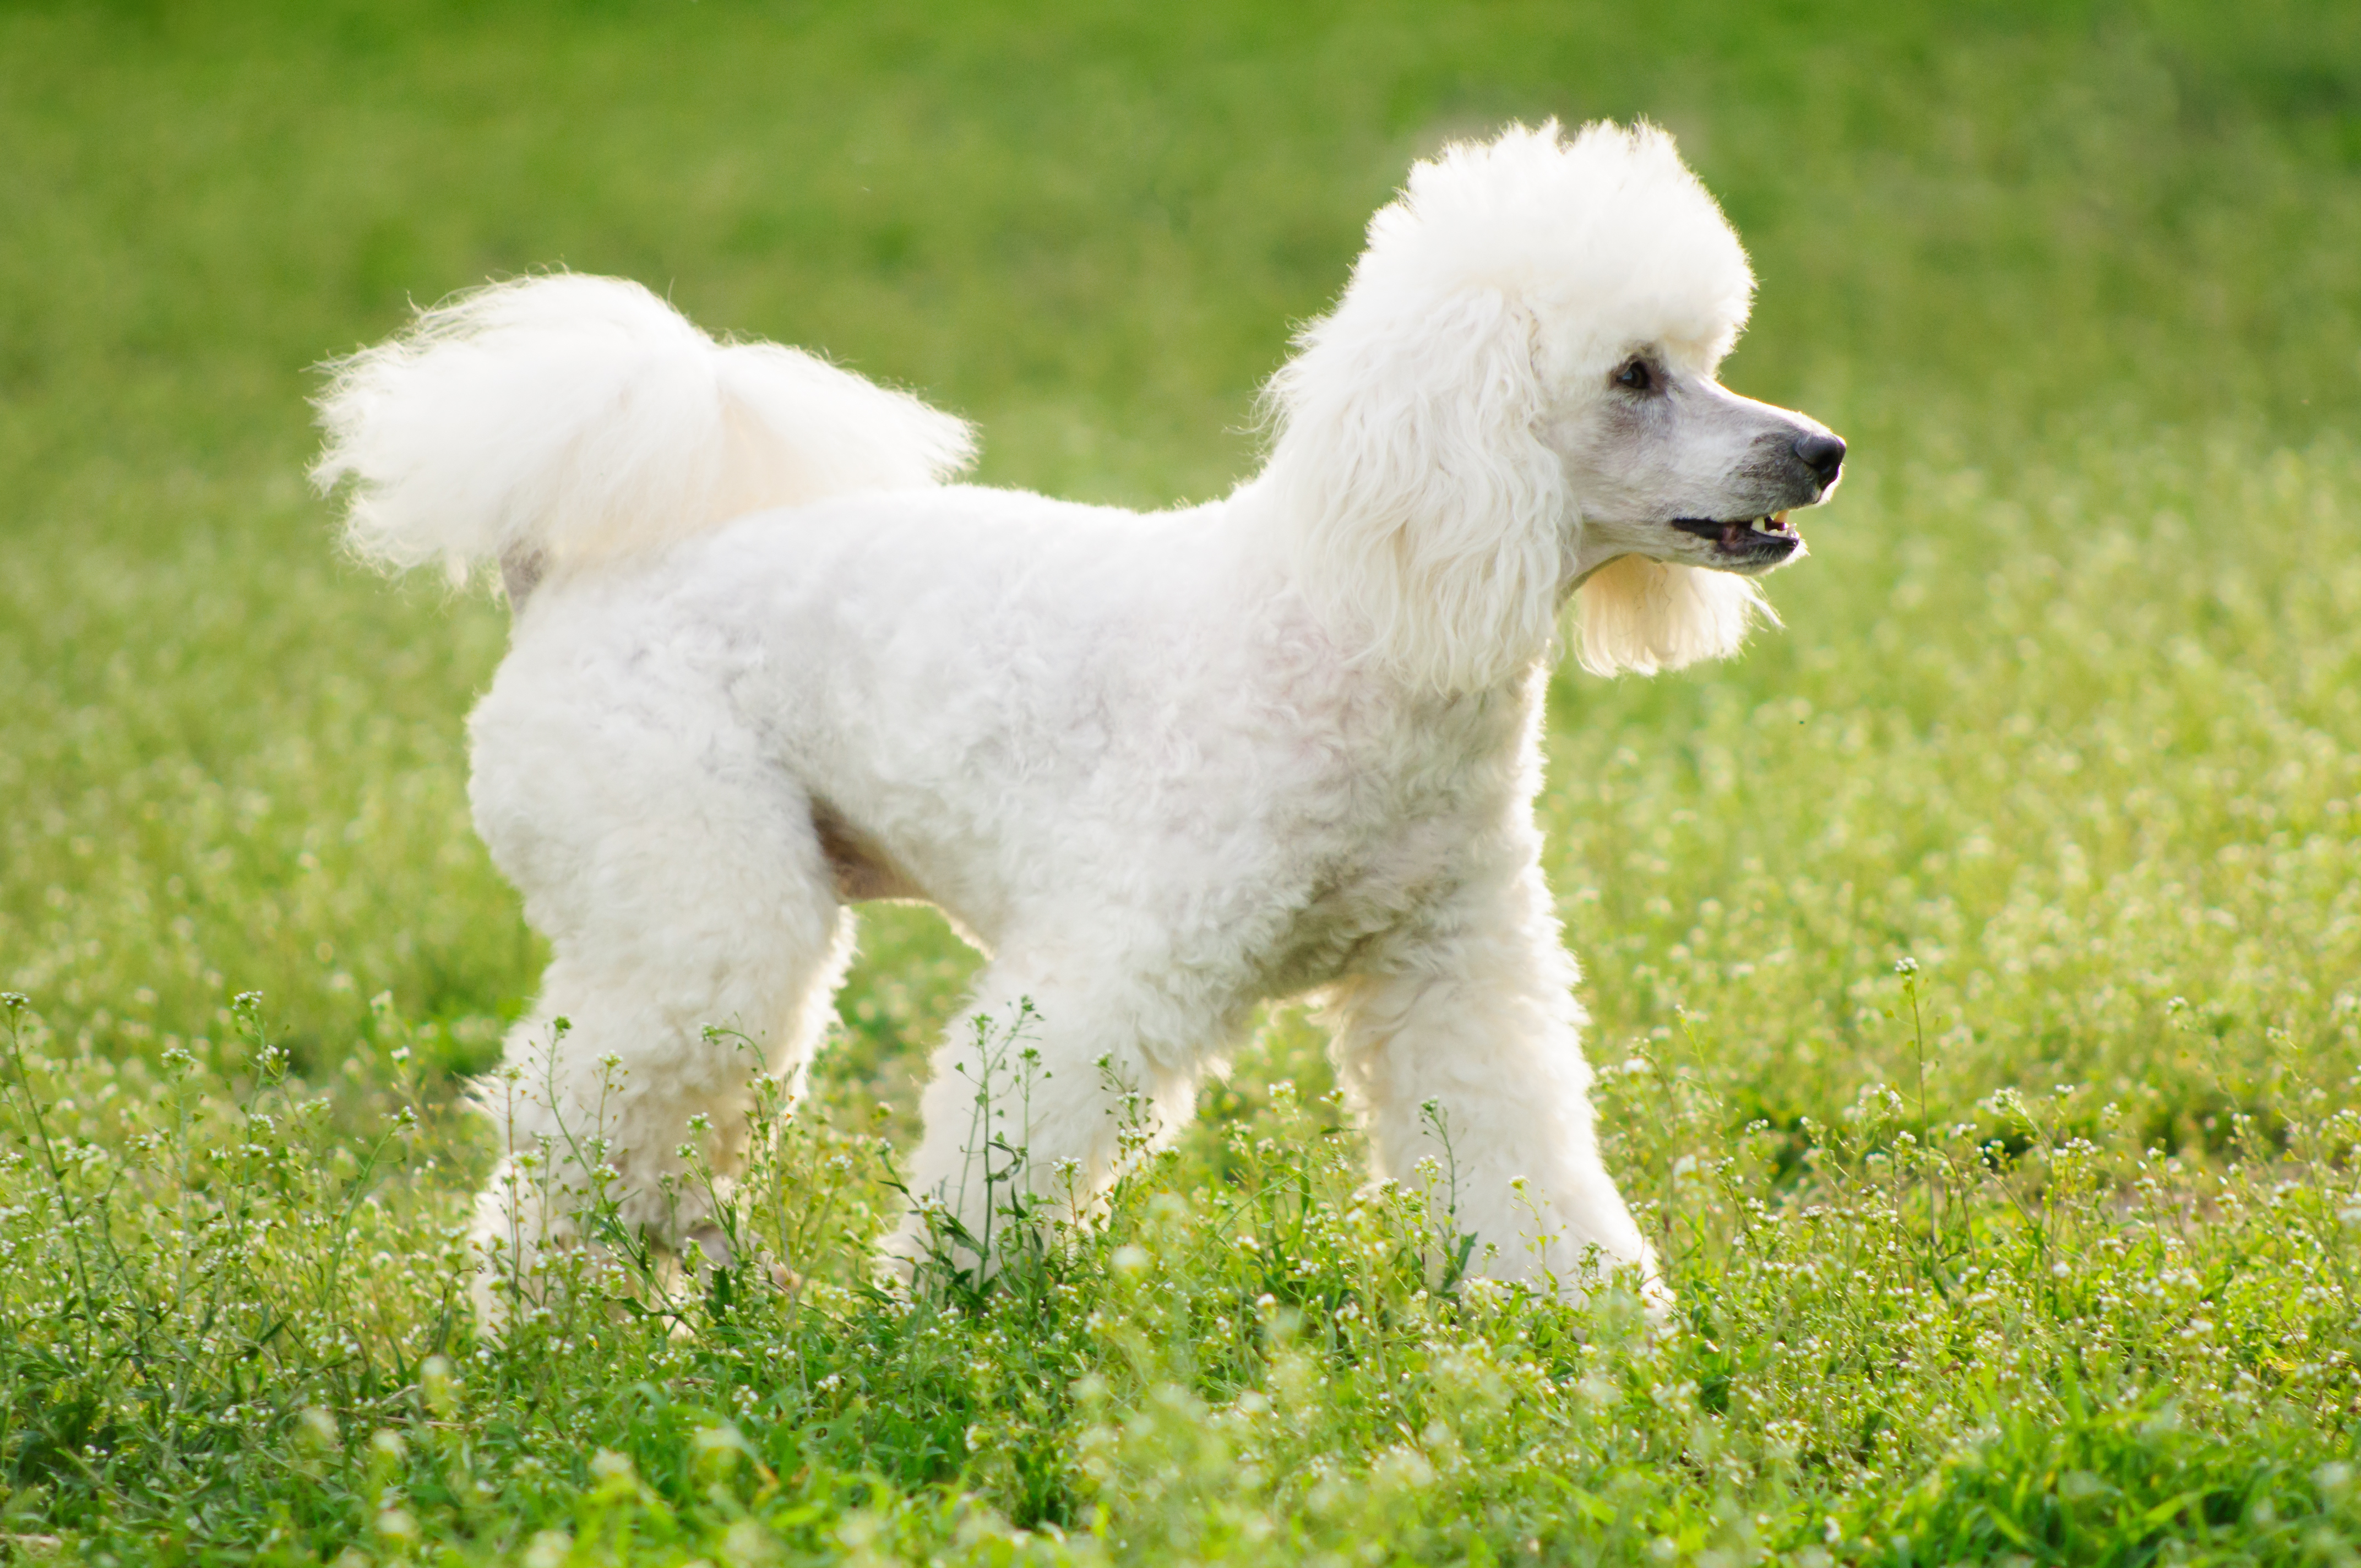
(1055, 1073)
(1460, 1042)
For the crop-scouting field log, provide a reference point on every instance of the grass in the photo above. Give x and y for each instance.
(1976, 963)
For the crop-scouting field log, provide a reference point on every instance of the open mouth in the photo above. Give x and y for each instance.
(1753, 538)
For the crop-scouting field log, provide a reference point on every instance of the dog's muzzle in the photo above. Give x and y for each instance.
(1745, 541)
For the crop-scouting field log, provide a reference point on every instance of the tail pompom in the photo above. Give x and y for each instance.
(561, 419)
(1643, 616)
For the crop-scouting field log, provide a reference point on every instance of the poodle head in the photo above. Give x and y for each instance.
(1516, 397)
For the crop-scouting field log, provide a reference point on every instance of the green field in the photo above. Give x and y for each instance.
(1976, 963)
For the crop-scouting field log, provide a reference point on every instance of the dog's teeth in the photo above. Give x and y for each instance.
(1761, 525)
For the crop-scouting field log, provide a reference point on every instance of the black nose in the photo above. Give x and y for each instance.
(1822, 454)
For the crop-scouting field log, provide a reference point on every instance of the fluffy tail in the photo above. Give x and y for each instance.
(556, 419)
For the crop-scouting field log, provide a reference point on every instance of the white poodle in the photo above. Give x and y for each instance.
(1160, 768)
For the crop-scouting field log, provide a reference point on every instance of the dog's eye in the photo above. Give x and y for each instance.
(1635, 375)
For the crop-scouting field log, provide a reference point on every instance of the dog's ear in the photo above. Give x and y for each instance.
(1423, 513)
(1641, 615)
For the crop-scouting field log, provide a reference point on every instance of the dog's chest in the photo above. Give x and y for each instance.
(1390, 883)
(1415, 821)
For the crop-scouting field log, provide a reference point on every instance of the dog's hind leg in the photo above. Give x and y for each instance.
(1459, 1043)
(697, 939)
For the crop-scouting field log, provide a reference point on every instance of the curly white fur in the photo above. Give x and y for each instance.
(1161, 768)
(577, 418)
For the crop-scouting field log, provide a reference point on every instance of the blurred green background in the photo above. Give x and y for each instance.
(2065, 706)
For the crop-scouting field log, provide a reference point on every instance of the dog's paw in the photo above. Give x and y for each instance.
(710, 1243)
